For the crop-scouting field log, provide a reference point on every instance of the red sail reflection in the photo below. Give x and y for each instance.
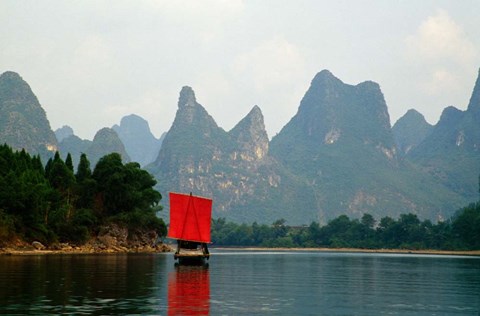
(189, 291)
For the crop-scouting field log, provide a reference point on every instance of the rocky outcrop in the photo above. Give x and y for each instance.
(110, 239)
(233, 167)
(250, 137)
(23, 121)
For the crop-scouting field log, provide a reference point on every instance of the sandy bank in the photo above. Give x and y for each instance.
(392, 251)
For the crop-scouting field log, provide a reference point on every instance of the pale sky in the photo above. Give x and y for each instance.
(92, 62)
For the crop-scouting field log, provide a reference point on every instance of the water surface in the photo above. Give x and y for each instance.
(241, 283)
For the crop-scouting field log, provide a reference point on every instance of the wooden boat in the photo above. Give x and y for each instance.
(190, 218)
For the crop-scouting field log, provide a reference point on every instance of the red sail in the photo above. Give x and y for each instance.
(190, 217)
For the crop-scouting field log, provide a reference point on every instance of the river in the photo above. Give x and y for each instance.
(241, 283)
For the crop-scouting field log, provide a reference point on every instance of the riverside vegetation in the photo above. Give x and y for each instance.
(461, 232)
(53, 204)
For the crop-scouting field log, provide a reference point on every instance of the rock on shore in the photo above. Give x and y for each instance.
(112, 238)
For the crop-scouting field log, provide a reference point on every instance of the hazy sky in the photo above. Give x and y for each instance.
(92, 62)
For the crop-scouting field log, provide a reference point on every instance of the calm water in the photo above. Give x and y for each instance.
(241, 283)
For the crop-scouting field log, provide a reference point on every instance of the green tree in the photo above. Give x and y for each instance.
(86, 185)
(411, 230)
(126, 192)
(69, 162)
(466, 226)
(388, 232)
(279, 228)
(111, 189)
(63, 180)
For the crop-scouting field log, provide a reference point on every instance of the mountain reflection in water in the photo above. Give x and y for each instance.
(241, 283)
(189, 290)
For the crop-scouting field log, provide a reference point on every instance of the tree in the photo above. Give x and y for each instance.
(388, 232)
(111, 189)
(368, 221)
(61, 178)
(466, 226)
(412, 233)
(126, 192)
(69, 162)
(83, 169)
(279, 228)
(86, 185)
(59, 175)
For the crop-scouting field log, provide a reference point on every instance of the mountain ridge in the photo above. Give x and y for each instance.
(337, 155)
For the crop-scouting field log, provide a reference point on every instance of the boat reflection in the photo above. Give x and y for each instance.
(189, 290)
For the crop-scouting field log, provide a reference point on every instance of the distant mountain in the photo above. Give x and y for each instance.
(63, 132)
(232, 167)
(451, 153)
(139, 141)
(337, 155)
(341, 142)
(410, 130)
(75, 146)
(106, 141)
(23, 122)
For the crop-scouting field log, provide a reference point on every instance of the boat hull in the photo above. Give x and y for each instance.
(192, 253)
(191, 259)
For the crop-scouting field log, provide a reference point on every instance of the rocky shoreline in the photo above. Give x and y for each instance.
(110, 239)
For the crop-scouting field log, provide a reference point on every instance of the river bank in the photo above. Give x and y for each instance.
(106, 246)
(113, 238)
(92, 247)
(359, 250)
(83, 249)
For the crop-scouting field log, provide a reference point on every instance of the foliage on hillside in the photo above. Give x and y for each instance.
(461, 232)
(53, 203)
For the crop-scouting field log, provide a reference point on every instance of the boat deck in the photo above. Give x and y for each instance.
(191, 253)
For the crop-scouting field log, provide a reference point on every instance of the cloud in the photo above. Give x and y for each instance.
(438, 39)
(273, 75)
(441, 80)
(92, 56)
(443, 55)
(271, 64)
(187, 8)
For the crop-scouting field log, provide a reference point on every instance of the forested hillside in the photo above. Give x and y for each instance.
(53, 204)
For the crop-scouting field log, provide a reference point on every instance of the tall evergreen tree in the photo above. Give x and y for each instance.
(69, 162)
(83, 170)
(86, 185)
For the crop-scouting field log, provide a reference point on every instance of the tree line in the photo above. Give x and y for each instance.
(54, 203)
(461, 232)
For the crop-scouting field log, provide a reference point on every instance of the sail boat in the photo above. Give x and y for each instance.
(190, 218)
